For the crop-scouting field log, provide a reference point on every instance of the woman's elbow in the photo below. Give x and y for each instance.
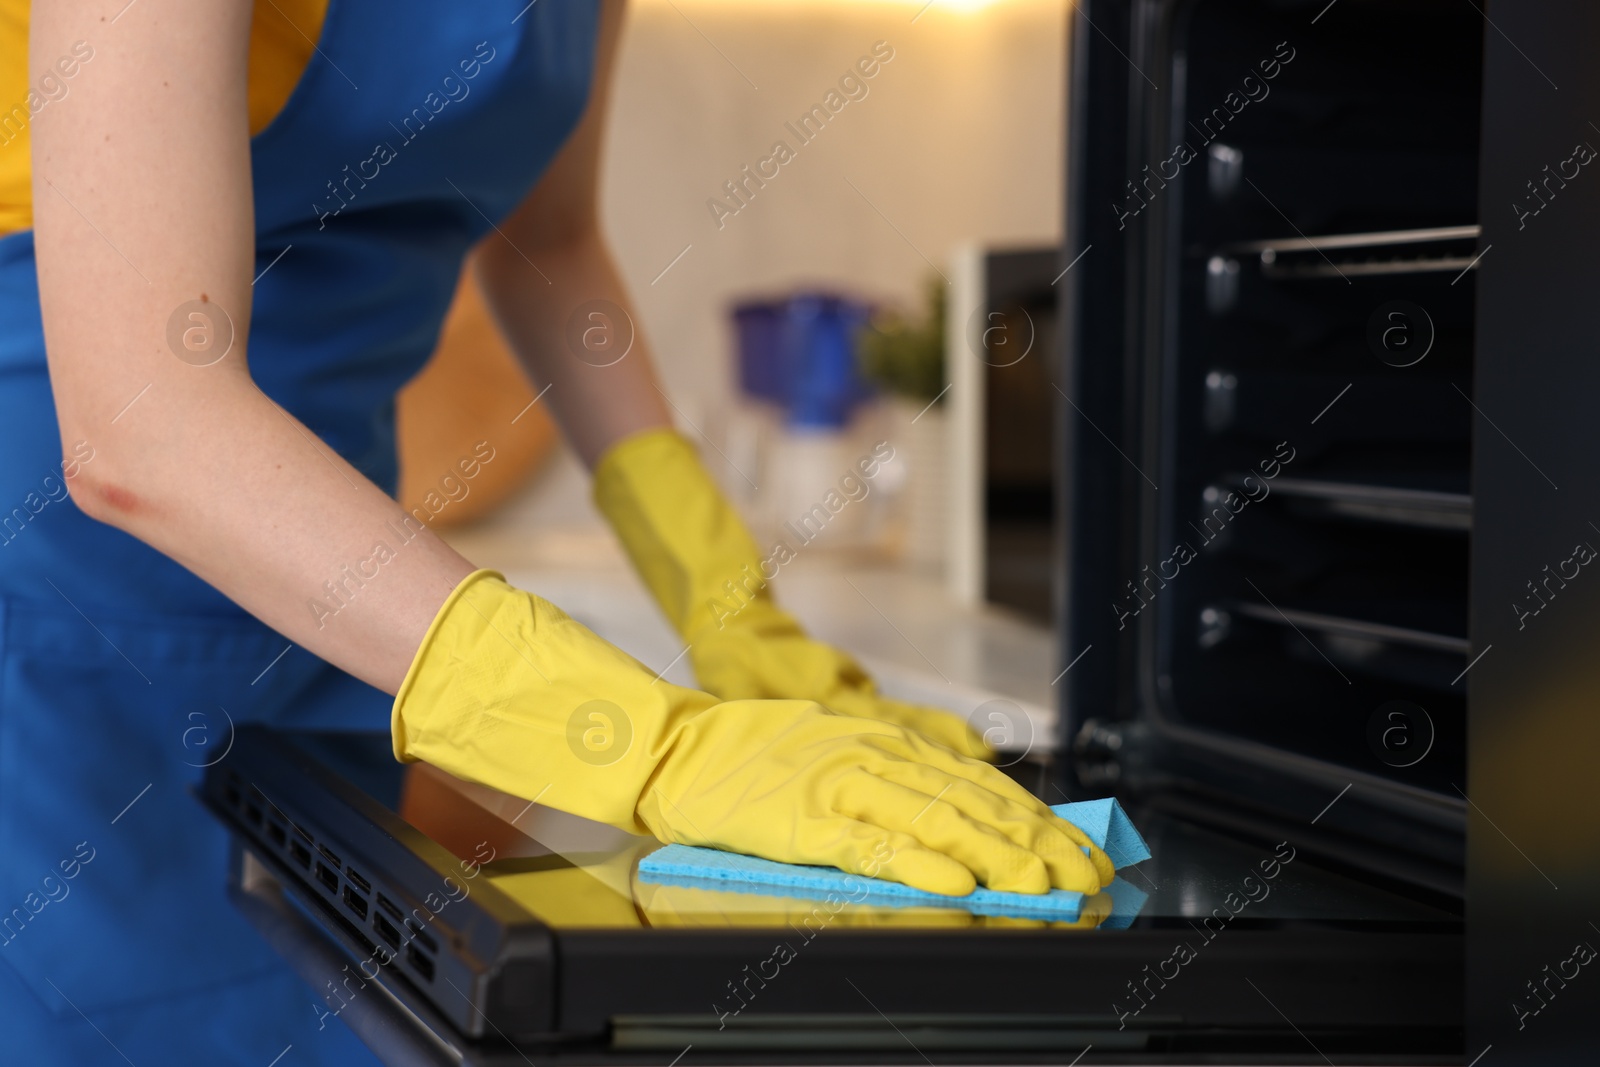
(104, 501)
(97, 489)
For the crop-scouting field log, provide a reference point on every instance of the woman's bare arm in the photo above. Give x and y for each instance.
(143, 202)
(549, 261)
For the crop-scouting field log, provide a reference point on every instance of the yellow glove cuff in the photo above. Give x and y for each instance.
(684, 537)
(508, 690)
(397, 726)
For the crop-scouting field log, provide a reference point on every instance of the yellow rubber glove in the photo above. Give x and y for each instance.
(507, 690)
(702, 565)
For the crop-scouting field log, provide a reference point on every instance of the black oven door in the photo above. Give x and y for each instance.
(1231, 945)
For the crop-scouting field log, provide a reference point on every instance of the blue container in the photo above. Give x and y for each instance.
(800, 354)
(763, 361)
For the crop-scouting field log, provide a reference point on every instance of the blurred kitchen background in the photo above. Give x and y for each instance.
(892, 283)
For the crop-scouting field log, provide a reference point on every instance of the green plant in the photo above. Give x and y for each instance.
(905, 356)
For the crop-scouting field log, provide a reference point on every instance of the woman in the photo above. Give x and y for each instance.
(226, 252)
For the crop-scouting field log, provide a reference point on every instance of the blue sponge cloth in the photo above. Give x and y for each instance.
(1103, 821)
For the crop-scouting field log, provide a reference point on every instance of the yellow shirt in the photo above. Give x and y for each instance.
(281, 36)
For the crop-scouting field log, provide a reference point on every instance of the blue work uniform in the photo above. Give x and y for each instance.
(121, 673)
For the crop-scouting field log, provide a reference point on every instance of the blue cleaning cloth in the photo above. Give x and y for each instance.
(1103, 821)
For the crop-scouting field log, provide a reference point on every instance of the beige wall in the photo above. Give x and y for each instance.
(958, 138)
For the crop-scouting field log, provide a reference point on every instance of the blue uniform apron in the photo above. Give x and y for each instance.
(120, 672)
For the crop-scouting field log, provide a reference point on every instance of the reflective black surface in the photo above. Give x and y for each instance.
(571, 874)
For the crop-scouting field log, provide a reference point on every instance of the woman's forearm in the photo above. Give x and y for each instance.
(575, 331)
(142, 195)
(235, 489)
